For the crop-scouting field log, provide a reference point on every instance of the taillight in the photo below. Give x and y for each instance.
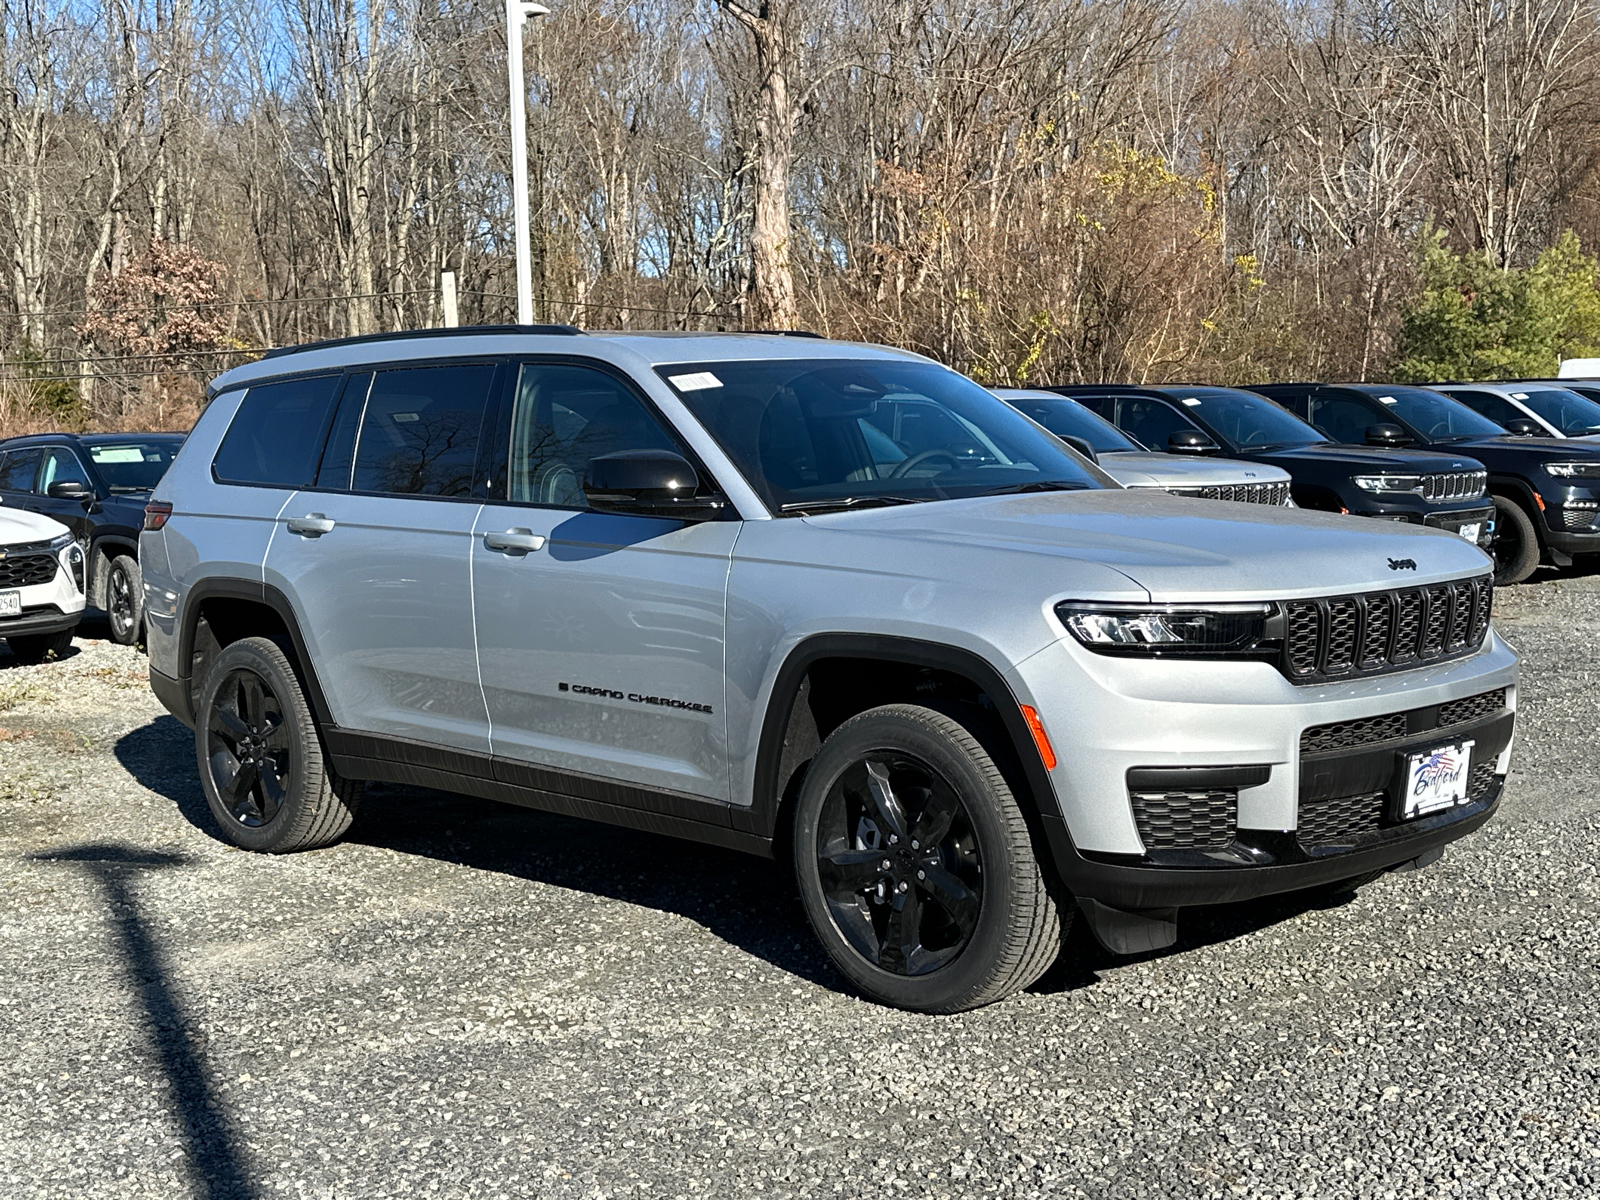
(156, 514)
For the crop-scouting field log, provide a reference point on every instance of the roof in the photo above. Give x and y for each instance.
(641, 350)
(46, 439)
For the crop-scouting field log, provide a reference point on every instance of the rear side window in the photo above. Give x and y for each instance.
(1150, 422)
(19, 470)
(276, 436)
(421, 429)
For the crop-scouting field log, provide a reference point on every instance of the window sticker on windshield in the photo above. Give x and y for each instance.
(1191, 401)
(698, 381)
(1388, 400)
(406, 418)
(1519, 395)
(111, 454)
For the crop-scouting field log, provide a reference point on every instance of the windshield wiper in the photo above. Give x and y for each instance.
(120, 488)
(1037, 485)
(838, 503)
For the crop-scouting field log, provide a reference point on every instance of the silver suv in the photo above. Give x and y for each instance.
(825, 602)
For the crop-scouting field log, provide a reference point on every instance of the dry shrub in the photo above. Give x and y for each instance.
(162, 404)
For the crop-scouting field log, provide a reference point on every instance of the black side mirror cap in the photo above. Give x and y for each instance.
(1387, 434)
(1190, 441)
(647, 483)
(69, 489)
(1081, 445)
(1523, 427)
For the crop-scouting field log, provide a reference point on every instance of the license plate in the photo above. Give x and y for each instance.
(10, 604)
(1437, 779)
(1470, 532)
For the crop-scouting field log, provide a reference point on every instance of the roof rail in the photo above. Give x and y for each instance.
(399, 334)
(800, 333)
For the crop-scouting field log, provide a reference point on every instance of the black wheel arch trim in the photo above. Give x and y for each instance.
(1514, 488)
(762, 816)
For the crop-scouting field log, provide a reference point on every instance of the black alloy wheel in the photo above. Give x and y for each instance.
(1515, 548)
(900, 864)
(916, 866)
(261, 762)
(248, 748)
(125, 600)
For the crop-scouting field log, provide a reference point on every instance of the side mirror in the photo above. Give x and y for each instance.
(1523, 427)
(646, 483)
(69, 489)
(1081, 445)
(1386, 434)
(1190, 441)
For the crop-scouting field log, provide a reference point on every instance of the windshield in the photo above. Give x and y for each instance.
(1572, 414)
(1068, 418)
(809, 432)
(1244, 420)
(133, 466)
(1438, 418)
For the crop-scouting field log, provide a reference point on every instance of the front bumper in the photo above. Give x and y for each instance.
(1451, 521)
(1126, 719)
(44, 619)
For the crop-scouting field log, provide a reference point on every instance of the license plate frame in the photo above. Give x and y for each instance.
(1434, 780)
(1470, 531)
(10, 604)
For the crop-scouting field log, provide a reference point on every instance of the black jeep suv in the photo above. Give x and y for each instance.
(96, 484)
(1546, 490)
(1445, 491)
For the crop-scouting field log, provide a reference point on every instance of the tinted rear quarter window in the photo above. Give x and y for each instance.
(276, 436)
(421, 429)
(20, 469)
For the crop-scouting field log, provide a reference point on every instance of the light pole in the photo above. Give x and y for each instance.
(517, 14)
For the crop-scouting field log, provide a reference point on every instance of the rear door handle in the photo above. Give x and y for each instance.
(514, 541)
(312, 525)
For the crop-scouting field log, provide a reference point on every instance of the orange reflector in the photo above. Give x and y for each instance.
(1041, 739)
(1540, 499)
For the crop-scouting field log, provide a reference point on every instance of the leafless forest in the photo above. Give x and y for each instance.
(1026, 189)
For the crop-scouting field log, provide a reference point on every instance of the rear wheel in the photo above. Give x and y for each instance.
(37, 647)
(125, 600)
(915, 865)
(1516, 543)
(261, 762)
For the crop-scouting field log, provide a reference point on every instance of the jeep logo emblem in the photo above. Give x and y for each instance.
(1402, 564)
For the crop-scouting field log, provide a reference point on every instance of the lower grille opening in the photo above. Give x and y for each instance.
(1197, 820)
(1347, 818)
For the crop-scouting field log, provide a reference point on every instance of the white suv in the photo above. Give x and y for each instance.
(41, 585)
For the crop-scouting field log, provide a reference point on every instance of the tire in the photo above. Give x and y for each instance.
(1516, 543)
(35, 648)
(125, 600)
(985, 922)
(277, 794)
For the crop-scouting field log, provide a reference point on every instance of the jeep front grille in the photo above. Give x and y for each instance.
(1577, 515)
(27, 570)
(1377, 632)
(1186, 820)
(1244, 493)
(1455, 485)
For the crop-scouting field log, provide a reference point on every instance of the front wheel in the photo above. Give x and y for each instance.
(261, 762)
(1516, 543)
(915, 865)
(125, 600)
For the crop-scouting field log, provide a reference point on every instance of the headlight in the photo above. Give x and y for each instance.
(1573, 470)
(1388, 483)
(62, 542)
(75, 563)
(1201, 631)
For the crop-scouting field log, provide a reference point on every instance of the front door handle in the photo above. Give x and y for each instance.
(514, 541)
(312, 525)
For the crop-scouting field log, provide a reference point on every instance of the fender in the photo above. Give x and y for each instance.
(762, 817)
(1516, 488)
(102, 549)
(255, 592)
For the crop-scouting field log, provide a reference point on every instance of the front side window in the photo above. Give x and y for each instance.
(809, 433)
(1150, 422)
(1342, 419)
(1496, 408)
(1244, 420)
(564, 416)
(277, 433)
(1572, 414)
(1068, 418)
(20, 470)
(62, 466)
(421, 429)
(1436, 417)
(134, 466)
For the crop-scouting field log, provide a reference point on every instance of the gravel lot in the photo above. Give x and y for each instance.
(471, 1000)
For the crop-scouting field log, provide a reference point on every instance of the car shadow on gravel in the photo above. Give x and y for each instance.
(216, 1168)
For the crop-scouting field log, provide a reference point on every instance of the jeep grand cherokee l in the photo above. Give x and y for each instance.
(1546, 491)
(714, 586)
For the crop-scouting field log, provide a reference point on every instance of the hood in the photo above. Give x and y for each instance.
(18, 526)
(1175, 549)
(1531, 450)
(1371, 458)
(1151, 469)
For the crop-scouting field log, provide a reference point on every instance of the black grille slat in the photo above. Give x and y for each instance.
(1343, 617)
(1407, 627)
(1460, 615)
(1243, 493)
(1375, 636)
(1385, 727)
(1437, 622)
(1186, 820)
(1460, 712)
(1304, 637)
(1483, 602)
(1341, 818)
(27, 570)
